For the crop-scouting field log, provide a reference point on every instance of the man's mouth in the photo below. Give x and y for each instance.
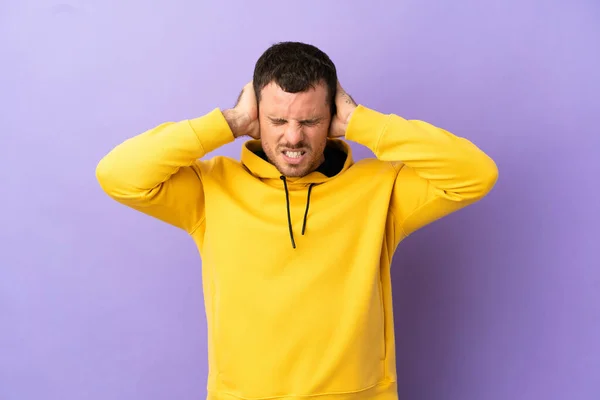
(293, 156)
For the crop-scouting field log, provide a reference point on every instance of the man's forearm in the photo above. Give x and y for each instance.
(238, 122)
(450, 163)
(148, 159)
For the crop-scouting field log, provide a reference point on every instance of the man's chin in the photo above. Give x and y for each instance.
(293, 171)
(289, 170)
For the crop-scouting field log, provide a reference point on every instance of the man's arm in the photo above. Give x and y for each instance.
(156, 172)
(437, 172)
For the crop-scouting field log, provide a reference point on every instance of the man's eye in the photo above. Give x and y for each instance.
(310, 123)
(278, 121)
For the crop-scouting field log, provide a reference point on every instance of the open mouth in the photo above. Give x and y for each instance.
(293, 156)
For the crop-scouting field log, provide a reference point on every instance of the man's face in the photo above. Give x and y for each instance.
(294, 128)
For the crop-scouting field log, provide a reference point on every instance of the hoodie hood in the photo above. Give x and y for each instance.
(338, 158)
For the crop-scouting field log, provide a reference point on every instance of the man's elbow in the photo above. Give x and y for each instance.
(106, 175)
(487, 176)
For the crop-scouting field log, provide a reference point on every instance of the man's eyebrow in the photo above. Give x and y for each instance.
(302, 121)
(311, 120)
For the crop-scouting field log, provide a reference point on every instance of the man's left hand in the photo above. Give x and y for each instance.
(345, 106)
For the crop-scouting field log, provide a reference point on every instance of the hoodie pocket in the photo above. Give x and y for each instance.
(317, 346)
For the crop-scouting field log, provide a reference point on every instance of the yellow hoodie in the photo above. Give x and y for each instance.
(296, 271)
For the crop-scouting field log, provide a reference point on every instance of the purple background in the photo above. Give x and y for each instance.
(498, 301)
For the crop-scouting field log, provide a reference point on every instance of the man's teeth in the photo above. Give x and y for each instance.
(293, 154)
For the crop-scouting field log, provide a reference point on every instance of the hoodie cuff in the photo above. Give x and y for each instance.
(366, 127)
(212, 130)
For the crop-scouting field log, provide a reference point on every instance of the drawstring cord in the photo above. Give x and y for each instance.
(287, 200)
(307, 204)
(289, 216)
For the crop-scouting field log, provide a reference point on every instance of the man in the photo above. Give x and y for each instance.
(296, 238)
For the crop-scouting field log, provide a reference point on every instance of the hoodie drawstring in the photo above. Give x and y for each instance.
(287, 200)
(307, 204)
(289, 216)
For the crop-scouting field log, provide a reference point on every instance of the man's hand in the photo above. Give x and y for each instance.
(345, 106)
(243, 118)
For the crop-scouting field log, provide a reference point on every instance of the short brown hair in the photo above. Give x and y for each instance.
(295, 67)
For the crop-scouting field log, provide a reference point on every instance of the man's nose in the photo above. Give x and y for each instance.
(293, 134)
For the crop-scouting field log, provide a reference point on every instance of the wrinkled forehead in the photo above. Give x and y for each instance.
(311, 103)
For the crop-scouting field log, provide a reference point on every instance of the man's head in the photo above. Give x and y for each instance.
(295, 86)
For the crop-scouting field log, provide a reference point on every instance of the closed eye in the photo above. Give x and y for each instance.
(305, 122)
(310, 122)
(278, 121)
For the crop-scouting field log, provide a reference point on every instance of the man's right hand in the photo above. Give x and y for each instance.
(243, 118)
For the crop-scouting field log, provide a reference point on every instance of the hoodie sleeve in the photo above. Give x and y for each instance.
(156, 172)
(437, 173)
